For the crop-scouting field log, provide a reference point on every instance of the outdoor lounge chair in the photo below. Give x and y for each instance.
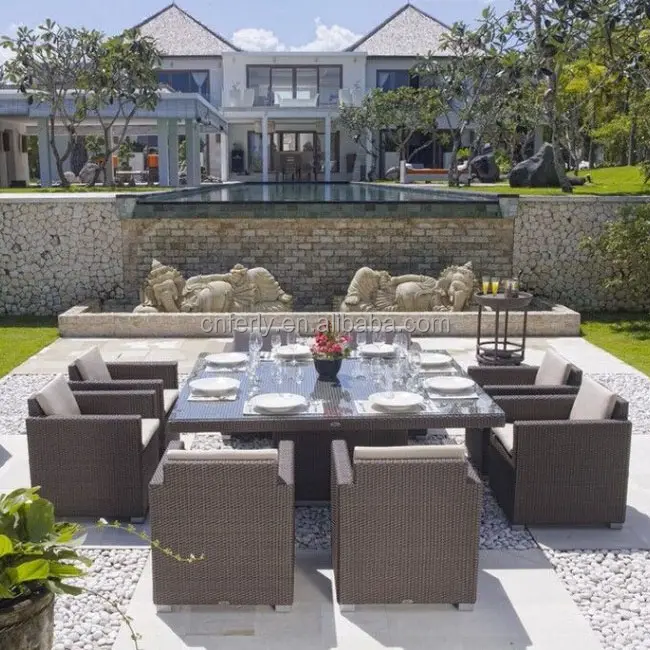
(91, 372)
(405, 525)
(554, 376)
(564, 459)
(236, 507)
(93, 453)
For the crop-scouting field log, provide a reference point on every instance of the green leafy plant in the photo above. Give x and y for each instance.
(624, 245)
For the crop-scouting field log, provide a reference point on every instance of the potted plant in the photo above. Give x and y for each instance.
(328, 350)
(38, 555)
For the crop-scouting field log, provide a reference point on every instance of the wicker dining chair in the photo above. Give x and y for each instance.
(563, 459)
(234, 507)
(90, 372)
(95, 458)
(405, 525)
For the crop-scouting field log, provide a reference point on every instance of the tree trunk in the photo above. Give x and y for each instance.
(453, 162)
(631, 145)
(58, 159)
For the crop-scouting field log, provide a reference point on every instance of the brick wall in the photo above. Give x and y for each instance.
(315, 259)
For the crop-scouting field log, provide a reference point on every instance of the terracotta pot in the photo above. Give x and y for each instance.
(327, 369)
(28, 624)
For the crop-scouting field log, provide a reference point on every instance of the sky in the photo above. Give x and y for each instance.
(251, 24)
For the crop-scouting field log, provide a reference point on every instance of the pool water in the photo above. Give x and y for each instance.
(315, 193)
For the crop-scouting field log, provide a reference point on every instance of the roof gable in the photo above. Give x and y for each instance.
(408, 32)
(178, 34)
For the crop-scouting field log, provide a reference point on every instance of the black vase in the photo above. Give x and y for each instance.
(327, 369)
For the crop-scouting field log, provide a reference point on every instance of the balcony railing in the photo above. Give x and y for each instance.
(258, 97)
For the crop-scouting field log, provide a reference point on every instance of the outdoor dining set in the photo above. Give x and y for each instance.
(553, 445)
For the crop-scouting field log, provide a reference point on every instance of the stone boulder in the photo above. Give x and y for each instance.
(536, 171)
(87, 173)
(485, 168)
(70, 177)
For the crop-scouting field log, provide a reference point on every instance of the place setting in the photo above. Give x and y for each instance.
(226, 362)
(396, 401)
(449, 387)
(279, 404)
(213, 389)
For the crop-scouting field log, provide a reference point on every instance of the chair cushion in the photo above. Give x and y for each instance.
(92, 367)
(553, 371)
(56, 398)
(413, 452)
(170, 395)
(149, 429)
(593, 402)
(223, 454)
(506, 436)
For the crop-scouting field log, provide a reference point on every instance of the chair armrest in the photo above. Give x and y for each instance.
(505, 376)
(158, 476)
(142, 402)
(341, 465)
(531, 390)
(88, 426)
(285, 462)
(165, 370)
(535, 407)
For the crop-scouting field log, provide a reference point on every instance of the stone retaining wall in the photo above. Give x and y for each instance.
(56, 252)
(314, 259)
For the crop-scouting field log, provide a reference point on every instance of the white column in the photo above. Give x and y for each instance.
(193, 153)
(328, 149)
(44, 157)
(265, 148)
(368, 153)
(173, 152)
(225, 156)
(163, 152)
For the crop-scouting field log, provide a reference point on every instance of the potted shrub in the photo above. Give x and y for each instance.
(328, 350)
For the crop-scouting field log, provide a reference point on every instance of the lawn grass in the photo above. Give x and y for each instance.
(23, 336)
(626, 336)
(81, 189)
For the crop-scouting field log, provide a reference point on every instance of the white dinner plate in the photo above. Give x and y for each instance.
(449, 385)
(214, 386)
(278, 402)
(377, 350)
(293, 351)
(396, 400)
(226, 359)
(434, 360)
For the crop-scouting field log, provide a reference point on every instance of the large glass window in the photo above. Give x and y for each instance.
(273, 84)
(394, 79)
(186, 81)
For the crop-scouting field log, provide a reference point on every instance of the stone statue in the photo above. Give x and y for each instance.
(162, 290)
(239, 290)
(377, 291)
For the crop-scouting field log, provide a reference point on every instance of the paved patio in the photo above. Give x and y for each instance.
(580, 588)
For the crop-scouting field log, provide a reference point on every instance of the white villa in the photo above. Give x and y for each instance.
(249, 115)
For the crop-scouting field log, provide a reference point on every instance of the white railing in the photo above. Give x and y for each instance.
(246, 98)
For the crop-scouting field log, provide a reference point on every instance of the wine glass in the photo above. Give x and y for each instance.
(401, 343)
(291, 337)
(276, 342)
(255, 341)
(379, 336)
(362, 339)
(376, 370)
(415, 361)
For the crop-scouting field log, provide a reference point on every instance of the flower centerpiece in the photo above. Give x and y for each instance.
(329, 349)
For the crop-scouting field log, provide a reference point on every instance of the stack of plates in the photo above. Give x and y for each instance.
(278, 403)
(451, 386)
(295, 351)
(377, 350)
(227, 359)
(398, 401)
(214, 386)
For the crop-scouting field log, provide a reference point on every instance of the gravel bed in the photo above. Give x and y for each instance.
(14, 391)
(87, 622)
(636, 390)
(612, 590)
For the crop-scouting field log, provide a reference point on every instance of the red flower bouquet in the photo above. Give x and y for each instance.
(330, 345)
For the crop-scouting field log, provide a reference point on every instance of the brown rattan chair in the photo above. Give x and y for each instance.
(160, 376)
(98, 463)
(237, 509)
(405, 525)
(548, 469)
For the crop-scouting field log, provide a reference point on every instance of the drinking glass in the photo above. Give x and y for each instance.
(376, 370)
(362, 339)
(276, 341)
(379, 336)
(495, 286)
(291, 337)
(255, 341)
(298, 375)
(486, 282)
(279, 373)
(401, 343)
(415, 360)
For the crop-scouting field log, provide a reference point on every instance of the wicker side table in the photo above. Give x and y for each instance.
(499, 351)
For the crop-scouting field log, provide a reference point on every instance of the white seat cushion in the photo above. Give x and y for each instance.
(411, 452)
(149, 428)
(593, 402)
(223, 454)
(553, 371)
(170, 395)
(506, 436)
(56, 398)
(92, 367)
